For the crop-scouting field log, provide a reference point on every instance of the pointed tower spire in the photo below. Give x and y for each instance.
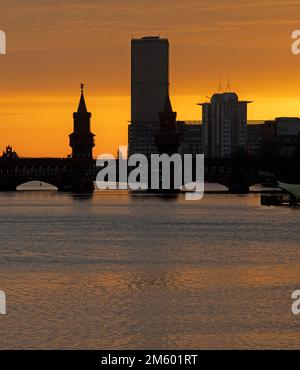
(168, 105)
(82, 106)
(82, 139)
(167, 139)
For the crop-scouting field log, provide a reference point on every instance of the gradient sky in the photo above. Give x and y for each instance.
(53, 46)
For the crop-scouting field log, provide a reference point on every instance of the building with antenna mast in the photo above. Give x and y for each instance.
(224, 125)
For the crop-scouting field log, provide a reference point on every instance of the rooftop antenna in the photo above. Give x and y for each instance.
(220, 85)
(81, 87)
(228, 87)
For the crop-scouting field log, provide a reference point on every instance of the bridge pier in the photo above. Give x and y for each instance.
(238, 185)
(8, 187)
(238, 188)
(78, 185)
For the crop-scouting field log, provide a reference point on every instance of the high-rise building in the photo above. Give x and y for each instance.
(149, 78)
(149, 88)
(224, 125)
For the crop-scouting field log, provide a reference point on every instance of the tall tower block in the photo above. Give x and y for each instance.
(149, 78)
(149, 86)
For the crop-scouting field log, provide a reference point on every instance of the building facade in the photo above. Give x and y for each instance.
(191, 137)
(224, 121)
(254, 138)
(141, 138)
(149, 88)
(281, 137)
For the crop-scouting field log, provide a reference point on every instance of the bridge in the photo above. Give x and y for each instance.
(78, 174)
(66, 174)
(239, 173)
(235, 175)
(75, 173)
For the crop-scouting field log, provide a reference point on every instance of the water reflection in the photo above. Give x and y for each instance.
(117, 270)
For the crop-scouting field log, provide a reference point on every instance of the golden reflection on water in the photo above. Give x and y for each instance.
(122, 272)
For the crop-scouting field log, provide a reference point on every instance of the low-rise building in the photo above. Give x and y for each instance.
(191, 137)
(141, 137)
(281, 136)
(254, 138)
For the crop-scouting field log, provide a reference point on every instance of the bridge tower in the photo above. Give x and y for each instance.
(82, 139)
(167, 139)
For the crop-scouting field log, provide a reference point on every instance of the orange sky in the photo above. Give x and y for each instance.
(53, 46)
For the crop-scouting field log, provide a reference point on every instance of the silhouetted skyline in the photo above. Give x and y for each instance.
(53, 47)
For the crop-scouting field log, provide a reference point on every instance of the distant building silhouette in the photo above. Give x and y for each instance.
(9, 153)
(149, 87)
(82, 139)
(254, 138)
(141, 138)
(190, 137)
(281, 136)
(224, 125)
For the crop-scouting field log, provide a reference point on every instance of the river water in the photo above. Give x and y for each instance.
(122, 271)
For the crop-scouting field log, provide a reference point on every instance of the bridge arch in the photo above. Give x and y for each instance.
(63, 174)
(36, 185)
